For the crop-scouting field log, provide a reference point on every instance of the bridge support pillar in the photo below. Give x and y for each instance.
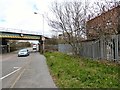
(39, 45)
(8, 47)
(42, 45)
(4, 46)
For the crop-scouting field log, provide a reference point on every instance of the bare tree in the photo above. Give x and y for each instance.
(70, 22)
(100, 6)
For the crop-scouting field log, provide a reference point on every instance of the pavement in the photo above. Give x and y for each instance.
(35, 74)
(32, 71)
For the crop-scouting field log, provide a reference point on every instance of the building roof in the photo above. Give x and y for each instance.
(99, 15)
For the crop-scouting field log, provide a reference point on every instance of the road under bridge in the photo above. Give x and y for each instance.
(5, 36)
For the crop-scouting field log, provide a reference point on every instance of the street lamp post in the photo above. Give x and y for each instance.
(43, 21)
(43, 46)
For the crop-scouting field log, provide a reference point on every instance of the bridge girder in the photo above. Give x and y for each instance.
(19, 36)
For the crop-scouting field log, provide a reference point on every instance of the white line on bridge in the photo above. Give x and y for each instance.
(10, 73)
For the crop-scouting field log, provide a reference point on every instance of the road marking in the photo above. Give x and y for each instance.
(17, 78)
(12, 86)
(10, 73)
(16, 67)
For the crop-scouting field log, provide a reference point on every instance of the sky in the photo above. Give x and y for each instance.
(19, 14)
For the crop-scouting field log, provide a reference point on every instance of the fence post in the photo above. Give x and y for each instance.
(101, 48)
(105, 48)
(116, 48)
(93, 49)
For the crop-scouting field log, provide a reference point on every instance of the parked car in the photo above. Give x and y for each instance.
(23, 52)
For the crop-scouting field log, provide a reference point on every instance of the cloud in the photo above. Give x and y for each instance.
(2, 20)
(19, 14)
(35, 7)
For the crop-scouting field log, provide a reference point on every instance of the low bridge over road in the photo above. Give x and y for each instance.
(5, 36)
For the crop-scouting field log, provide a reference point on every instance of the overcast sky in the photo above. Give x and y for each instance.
(19, 14)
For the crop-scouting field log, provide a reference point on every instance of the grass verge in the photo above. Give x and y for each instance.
(74, 72)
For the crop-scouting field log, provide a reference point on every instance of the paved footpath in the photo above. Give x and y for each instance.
(35, 74)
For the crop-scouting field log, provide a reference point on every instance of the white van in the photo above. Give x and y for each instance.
(34, 47)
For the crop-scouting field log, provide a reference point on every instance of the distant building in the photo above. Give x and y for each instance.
(105, 24)
(63, 38)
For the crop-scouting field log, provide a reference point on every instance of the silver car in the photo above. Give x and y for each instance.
(23, 52)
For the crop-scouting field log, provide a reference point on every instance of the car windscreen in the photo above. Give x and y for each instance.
(23, 50)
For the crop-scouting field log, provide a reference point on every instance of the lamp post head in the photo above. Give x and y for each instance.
(35, 13)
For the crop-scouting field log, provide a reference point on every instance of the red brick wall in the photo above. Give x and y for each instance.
(104, 24)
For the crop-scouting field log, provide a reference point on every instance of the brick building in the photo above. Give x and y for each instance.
(108, 23)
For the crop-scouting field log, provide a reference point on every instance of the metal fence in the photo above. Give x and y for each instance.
(65, 48)
(51, 47)
(104, 48)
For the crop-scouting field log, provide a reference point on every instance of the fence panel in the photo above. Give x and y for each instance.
(104, 48)
(51, 47)
(119, 46)
(65, 48)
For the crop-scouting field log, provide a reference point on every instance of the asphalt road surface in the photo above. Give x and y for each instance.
(25, 72)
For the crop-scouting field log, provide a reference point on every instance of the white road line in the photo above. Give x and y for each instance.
(17, 78)
(10, 73)
(16, 67)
